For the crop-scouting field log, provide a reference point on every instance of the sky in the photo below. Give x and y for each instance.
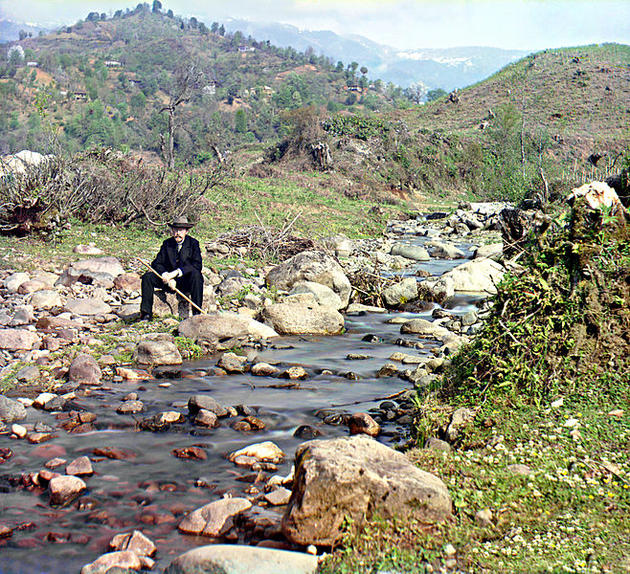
(402, 24)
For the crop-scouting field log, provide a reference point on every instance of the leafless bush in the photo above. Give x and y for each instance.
(266, 243)
(102, 187)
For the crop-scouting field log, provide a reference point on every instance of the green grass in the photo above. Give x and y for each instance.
(571, 514)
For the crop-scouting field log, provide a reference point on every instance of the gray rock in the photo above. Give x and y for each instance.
(322, 294)
(88, 306)
(521, 469)
(478, 275)
(232, 559)
(45, 299)
(213, 519)
(232, 363)
(437, 444)
(10, 410)
(436, 289)
(13, 281)
(206, 402)
(157, 353)
(491, 251)
(460, 418)
(291, 319)
(27, 374)
(23, 316)
(17, 339)
(424, 328)
(84, 369)
(119, 562)
(311, 266)
(356, 478)
(413, 252)
(219, 326)
(401, 293)
(443, 250)
(135, 541)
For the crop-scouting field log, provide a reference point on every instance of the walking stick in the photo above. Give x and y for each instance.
(174, 288)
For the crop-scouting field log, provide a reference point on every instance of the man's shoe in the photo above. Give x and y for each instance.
(146, 317)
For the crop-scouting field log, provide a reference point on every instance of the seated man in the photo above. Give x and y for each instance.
(179, 265)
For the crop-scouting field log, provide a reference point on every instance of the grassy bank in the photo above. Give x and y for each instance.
(548, 380)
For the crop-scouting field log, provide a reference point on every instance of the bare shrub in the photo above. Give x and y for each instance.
(103, 187)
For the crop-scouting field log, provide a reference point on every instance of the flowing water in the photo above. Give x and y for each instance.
(153, 489)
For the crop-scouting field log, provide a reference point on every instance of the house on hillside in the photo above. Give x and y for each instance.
(243, 48)
(80, 96)
(113, 64)
(32, 64)
(209, 89)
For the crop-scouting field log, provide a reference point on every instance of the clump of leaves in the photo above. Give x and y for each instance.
(561, 325)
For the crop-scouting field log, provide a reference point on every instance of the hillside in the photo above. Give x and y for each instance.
(447, 68)
(105, 81)
(525, 131)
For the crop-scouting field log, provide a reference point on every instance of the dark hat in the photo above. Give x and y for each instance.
(181, 222)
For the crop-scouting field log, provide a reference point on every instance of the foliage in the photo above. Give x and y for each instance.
(561, 326)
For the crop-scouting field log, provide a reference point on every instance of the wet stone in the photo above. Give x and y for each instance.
(81, 466)
(130, 408)
(190, 453)
(363, 423)
(206, 418)
(295, 373)
(64, 489)
(307, 432)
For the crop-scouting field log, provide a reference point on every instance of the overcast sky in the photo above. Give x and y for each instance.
(406, 24)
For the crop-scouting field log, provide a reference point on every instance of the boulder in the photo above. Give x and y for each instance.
(17, 339)
(292, 319)
(356, 478)
(322, 294)
(197, 403)
(87, 249)
(478, 275)
(81, 466)
(10, 410)
(220, 326)
(492, 251)
(45, 299)
(234, 559)
(232, 363)
(87, 306)
(64, 489)
(100, 269)
(213, 519)
(12, 282)
(401, 293)
(23, 316)
(128, 282)
(113, 562)
(31, 286)
(413, 252)
(84, 369)
(134, 541)
(157, 353)
(311, 266)
(436, 289)
(442, 250)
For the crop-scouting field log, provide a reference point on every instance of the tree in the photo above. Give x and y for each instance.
(214, 28)
(93, 17)
(363, 70)
(187, 80)
(157, 6)
(240, 121)
(170, 14)
(435, 94)
(22, 34)
(222, 30)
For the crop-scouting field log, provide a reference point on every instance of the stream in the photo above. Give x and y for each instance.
(152, 489)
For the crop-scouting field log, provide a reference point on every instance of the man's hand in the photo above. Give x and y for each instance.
(170, 275)
(171, 283)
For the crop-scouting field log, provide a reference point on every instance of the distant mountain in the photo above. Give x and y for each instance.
(447, 68)
(10, 31)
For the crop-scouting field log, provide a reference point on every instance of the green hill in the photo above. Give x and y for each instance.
(105, 81)
(529, 129)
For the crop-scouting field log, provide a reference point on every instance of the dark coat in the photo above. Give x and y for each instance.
(188, 259)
